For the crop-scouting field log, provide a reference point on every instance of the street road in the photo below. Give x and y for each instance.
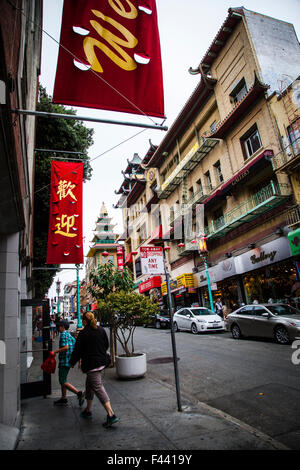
(253, 380)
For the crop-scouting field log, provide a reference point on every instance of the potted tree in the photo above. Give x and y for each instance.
(104, 280)
(129, 310)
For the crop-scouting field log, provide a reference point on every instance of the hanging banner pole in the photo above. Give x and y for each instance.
(83, 118)
(79, 323)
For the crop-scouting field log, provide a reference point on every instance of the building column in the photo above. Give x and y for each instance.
(10, 286)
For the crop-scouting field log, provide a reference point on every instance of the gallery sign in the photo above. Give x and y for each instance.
(264, 255)
(267, 254)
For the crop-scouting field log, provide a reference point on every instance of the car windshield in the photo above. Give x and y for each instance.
(201, 311)
(164, 314)
(283, 310)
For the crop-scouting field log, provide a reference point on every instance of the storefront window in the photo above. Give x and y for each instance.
(228, 290)
(277, 282)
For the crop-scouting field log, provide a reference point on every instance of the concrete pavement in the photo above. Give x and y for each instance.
(149, 420)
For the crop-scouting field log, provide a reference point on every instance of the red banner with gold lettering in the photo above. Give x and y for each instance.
(65, 218)
(115, 59)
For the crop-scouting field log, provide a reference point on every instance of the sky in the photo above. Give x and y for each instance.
(187, 29)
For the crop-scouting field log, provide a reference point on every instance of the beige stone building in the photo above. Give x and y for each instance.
(215, 173)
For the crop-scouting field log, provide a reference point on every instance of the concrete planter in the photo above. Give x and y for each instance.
(131, 367)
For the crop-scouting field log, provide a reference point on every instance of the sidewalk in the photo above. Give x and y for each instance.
(149, 420)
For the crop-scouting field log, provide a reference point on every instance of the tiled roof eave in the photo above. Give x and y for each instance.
(256, 91)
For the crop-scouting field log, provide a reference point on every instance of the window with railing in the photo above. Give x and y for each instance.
(218, 171)
(218, 218)
(199, 186)
(251, 142)
(208, 180)
(294, 136)
(238, 92)
(213, 126)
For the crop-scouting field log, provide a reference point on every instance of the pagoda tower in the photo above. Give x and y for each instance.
(104, 248)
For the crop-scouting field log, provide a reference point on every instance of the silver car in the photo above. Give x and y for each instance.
(278, 321)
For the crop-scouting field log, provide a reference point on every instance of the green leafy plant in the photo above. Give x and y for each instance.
(128, 310)
(103, 281)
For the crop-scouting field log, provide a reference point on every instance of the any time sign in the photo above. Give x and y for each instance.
(152, 260)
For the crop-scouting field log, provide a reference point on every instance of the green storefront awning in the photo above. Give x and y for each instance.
(294, 241)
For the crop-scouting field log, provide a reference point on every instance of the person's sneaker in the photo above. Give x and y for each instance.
(110, 420)
(61, 401)
(80, 396)
(86, 414)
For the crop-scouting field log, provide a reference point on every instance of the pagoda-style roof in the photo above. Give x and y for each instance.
(104, 237)
(134, 179)
(256, 91)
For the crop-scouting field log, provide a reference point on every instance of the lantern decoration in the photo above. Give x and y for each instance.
(167, 248)
(180, 245)
(202, 244)
(105, 253)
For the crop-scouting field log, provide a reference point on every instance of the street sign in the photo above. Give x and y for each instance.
(152, 260)
(294, 241)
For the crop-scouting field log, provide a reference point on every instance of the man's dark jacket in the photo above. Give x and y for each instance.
(91, 346)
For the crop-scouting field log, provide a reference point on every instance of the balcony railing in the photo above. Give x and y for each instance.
(262, 201)
(197, 198)
(293, 216)
(186, 165)
(287, 155)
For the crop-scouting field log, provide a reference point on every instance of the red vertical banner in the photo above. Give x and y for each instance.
(120, 258)
(65, 217)
(110, 57)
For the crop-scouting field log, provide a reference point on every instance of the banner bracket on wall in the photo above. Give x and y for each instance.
(85, 118)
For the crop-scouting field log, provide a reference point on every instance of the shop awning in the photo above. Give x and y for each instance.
(243, 173)
(155, 281)
(240, 175)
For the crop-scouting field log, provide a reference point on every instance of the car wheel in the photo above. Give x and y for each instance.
(194, 329)
(157, 325)
(175, 326)
(281, 335)
(236, 332)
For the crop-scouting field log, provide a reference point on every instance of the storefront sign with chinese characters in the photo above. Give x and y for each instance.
(120, 258)
(65, 218)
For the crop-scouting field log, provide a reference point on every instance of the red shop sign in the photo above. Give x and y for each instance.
(155, 281)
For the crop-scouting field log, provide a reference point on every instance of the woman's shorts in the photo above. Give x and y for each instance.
(62, 374)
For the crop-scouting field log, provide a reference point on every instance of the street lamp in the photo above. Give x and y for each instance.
(203, 251)
(58, 283)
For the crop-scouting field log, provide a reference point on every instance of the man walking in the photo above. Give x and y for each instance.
(219, 307)
(66, 346)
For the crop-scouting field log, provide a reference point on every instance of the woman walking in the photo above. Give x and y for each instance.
(90, 348)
